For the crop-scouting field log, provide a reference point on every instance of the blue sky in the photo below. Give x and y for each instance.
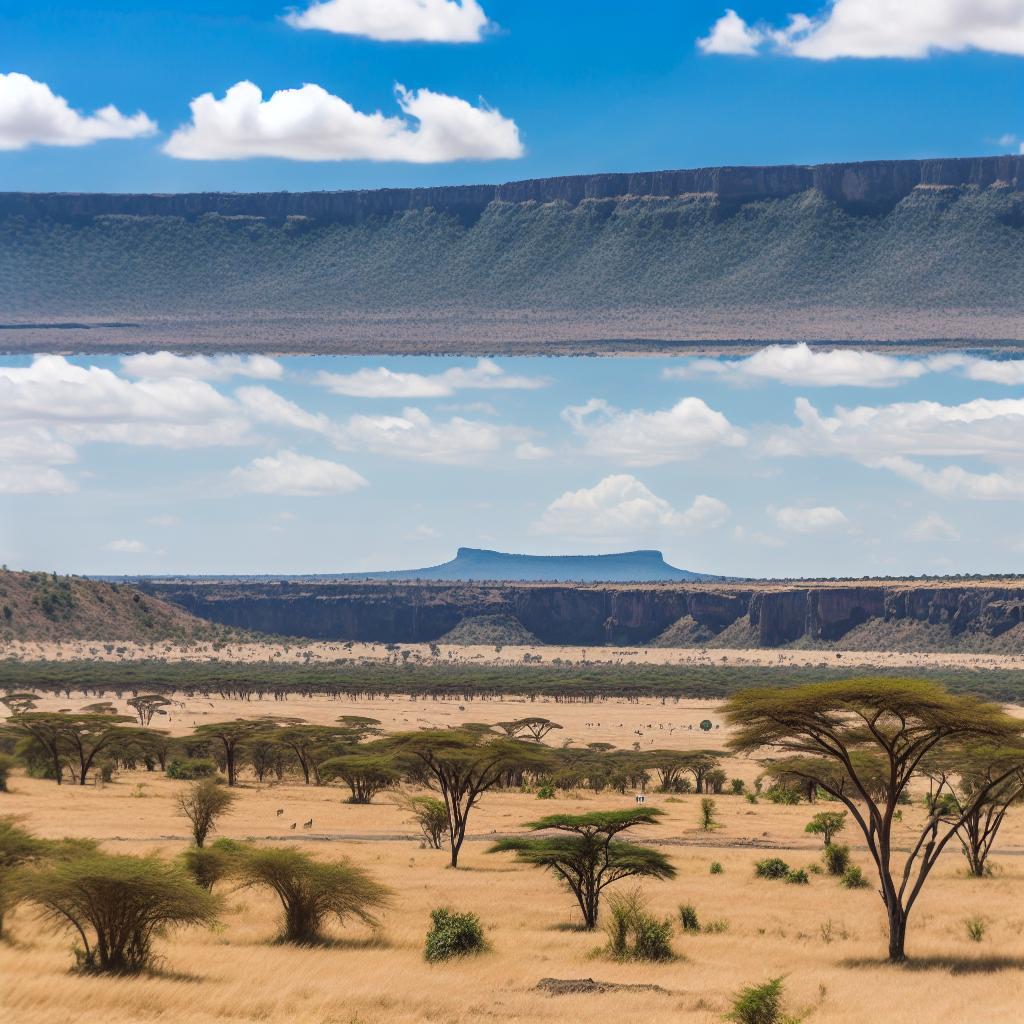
(773, 465)
(587, 87)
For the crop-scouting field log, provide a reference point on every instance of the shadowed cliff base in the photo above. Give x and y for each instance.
(920, 253)
(981, 617)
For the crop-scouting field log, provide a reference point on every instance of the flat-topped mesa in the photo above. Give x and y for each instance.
(868, 187)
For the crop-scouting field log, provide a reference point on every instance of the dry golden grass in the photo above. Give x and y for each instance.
(827, 941)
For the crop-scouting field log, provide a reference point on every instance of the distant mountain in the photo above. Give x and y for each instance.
(479, 564)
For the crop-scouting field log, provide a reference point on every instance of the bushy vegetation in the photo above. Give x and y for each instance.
(760, 1004)
(633, 932)
(312, 891)
(453, 934)
(771, 867)
(116, 905)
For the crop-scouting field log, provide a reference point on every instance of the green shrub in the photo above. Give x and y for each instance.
(453, 934)
(189, 768)
(546, 792)
(772, 867)
(853, 878)
(716, 868)
(210, 864)
(688, 918)
(760, 1004)
(751, 798)
(779, 794)
(798, 877)
(633, 933)
(738, 787)
(975, 928)
(837, 859)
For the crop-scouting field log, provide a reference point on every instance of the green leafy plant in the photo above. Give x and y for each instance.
(634, 933)
(837, 859)
(853, 878)
(771, 867)
(453, 934)
(760, 1004)
(688, 919)
(716, 868)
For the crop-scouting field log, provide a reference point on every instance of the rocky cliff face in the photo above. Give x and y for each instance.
(873, 186)
(582, 615)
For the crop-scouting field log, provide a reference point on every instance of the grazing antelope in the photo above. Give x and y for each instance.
(308, 824)
(293, 824)
(280, 811)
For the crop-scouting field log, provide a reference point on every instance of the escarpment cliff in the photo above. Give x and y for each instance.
(914, 250)
(908, 616)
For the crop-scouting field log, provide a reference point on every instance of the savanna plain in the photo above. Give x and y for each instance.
(827, 942)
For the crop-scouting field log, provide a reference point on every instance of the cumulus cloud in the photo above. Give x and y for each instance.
(620, 505)
(161, 365)
(126, 547)
(732, 35)
(808, 520)
(879, 28)
(990, 428)
(639, 438)
(396, 21)
(380, 382)
(957, 482)
(800, 365)
(57, 402)
(414, 435)
(267, 406)
(31, 114)
(33, 479)
(527, 451)
(297, 475)
(312, 124)
(932, 527)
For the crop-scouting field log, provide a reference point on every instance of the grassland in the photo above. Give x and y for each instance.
(826, 941)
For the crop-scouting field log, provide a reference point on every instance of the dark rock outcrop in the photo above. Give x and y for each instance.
(593, 615)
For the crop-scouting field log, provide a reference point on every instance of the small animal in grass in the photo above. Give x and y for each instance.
(308, 824)
(293, 824)
(280, 811)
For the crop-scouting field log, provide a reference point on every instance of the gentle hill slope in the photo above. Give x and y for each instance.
(892, 249)
(39, 606)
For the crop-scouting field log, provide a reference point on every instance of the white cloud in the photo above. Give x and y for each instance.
(161, 365)
(126, 547)
(620, 505)
(297, 475)
(808, 520)
(384, 383)
(800, 365)
(29, 479)
(686, 431)
(957, 482)
(882, 28)
(932, 527)
(31, 114)
(527, 451)
(732, 35)
(312, 124)
(414, 435)
(990, 428)
(992, 371)
(396, 21)
(266, 406)
(61, 403)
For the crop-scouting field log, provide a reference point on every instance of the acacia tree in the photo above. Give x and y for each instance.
(826, 824)
(44, 730)
(117, 905)
(203, 803)
(310, 745)
(464, 765)
(311, 891)
(863, 741)
(429, 814)
(84, 737)
(147, 705)
(955, 785)
(586, 855)
(231, 737)
(365, 774)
